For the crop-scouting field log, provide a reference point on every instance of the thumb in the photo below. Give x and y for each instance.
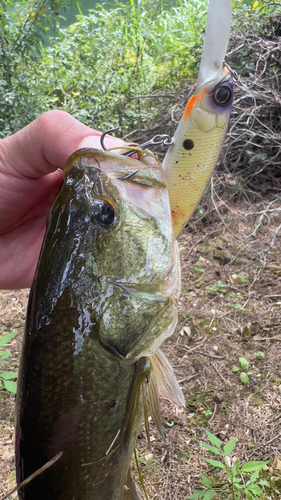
(45, 144)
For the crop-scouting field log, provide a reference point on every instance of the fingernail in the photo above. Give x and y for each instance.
(92, 141)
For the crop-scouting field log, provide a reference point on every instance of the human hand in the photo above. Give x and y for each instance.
(31, 163)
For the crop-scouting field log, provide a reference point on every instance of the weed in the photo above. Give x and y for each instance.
(244, 378)
(244, 365)
(200, 212)
(238, 307)
(240, 277)
(198, 269)
(237, 296)
(236, 473)
(218, 288)
(185, 455)
(207, 247)
(207, 413)
(220, 240)
(7, 378)
(260, 355)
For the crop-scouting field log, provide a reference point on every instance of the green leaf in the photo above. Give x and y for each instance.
(206, 482)
(214, 440)
(243, 363)
(252, 466)
(209, 495)
(235, 369)
(10, 386)
(205, 495)
(9, 375)
(4, 354)
(4, 339)
(238, 486)
(211, 448)
(262, 482)
(215, 463)
(229, 447)
(253, 477)
(248, 494)
(197, 494)
(244, 378)
(255, 489)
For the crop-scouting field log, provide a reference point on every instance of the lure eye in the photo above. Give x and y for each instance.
(103, 212)
(221, 95)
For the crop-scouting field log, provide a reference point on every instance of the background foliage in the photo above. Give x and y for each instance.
(127, 66)
(22, 27)
(98, 67)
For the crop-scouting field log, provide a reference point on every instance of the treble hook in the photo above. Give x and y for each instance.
(164, 139)
(102, 137)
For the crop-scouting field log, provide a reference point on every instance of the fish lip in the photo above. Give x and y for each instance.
(113, 164)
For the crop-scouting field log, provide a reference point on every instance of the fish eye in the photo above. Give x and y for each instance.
(103, 212)
(221, 95)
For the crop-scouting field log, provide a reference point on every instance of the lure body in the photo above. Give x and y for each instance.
(198, 140)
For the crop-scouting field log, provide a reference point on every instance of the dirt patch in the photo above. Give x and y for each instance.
(12, 317)
(230, 308)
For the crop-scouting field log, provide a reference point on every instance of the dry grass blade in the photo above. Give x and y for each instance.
(32, 476)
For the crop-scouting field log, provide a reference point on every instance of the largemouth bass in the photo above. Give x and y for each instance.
(103, 299)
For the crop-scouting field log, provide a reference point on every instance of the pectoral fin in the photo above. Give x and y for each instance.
(166, 380)
(132, 404)
(151, 402)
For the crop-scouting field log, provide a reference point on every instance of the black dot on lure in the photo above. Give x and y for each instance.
(188, 144)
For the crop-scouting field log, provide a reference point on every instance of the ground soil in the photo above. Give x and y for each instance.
(230, 308)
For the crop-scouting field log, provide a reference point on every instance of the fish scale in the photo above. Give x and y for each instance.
(74, 409)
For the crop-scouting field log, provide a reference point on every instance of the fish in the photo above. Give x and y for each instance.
(192, 157)
(103, 300)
